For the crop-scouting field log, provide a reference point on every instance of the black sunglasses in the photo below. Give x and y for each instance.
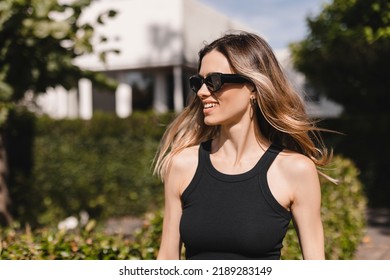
(215, 81)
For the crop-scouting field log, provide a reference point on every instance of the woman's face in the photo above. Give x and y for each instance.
(231, 104)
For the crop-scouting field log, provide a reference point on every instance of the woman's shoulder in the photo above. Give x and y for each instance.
(296, 168)
(183, 167)
(297, 173)
(295, 163)
(187, 156)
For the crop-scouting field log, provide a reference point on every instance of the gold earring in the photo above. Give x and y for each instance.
(253, 100)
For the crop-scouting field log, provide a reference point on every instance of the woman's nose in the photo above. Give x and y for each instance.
(203, 92)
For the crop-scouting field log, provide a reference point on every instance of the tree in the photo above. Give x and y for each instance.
(346, 57)
(38, 42)
(347, 53)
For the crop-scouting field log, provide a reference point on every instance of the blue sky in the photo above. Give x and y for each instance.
(278, 21)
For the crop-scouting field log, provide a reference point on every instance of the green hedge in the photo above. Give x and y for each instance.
(85, 243)
(102, 166)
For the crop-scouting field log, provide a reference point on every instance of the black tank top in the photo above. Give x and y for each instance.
(232, 216)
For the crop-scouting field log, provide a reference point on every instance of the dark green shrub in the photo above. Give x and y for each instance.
(102, 166)
(148, 238)
(88, 242)
(85, 243)
(19, 134)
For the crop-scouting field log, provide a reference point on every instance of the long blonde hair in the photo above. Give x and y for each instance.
(280, 113)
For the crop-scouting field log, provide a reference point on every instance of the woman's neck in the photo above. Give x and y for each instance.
(238, 142)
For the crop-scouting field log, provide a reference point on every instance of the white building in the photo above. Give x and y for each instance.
(158, 42)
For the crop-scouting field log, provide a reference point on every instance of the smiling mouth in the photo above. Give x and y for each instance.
(209, 105)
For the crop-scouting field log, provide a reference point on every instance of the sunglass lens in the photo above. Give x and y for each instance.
(196, 83)
(213, 82)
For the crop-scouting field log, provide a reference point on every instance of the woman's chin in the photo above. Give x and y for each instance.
(211, 121)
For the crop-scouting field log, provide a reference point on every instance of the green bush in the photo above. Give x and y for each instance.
(148, 238)
(102, 166)
(85, 243)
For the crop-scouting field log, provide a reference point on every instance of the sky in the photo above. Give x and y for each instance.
(280, 22)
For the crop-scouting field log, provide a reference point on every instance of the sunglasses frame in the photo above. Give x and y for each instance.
(215, 81)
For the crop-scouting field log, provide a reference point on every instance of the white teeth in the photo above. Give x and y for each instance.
(209, 105)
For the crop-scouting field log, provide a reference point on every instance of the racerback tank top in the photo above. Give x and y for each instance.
(232, 216)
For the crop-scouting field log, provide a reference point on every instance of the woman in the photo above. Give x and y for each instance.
(241, 160)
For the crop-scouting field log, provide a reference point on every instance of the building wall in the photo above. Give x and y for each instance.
(148, 33)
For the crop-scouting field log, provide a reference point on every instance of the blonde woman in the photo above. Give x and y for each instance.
(241, 160)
